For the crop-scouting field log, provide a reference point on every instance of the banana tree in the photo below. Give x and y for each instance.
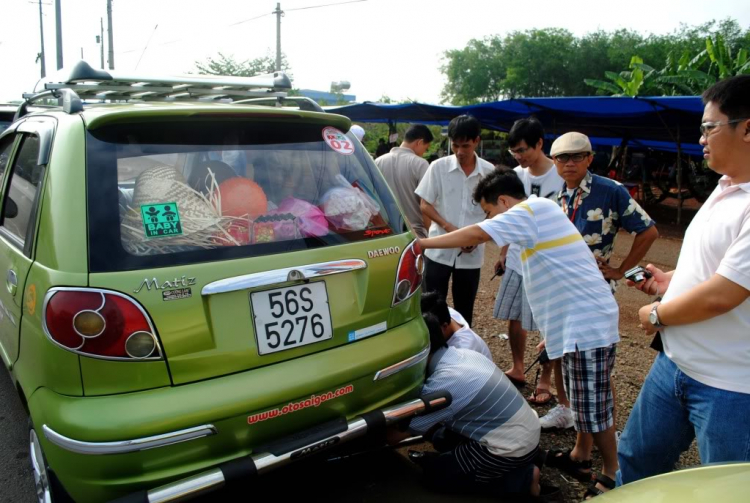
(723, 65)
(626, 83)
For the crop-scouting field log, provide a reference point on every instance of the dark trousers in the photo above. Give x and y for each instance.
(465, 285)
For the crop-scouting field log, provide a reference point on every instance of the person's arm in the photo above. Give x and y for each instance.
(641, 244)
(431, 213)
(472, 235)
(707, 300)
(503, 257)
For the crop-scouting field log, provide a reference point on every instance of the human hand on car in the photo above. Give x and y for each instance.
(657, 284)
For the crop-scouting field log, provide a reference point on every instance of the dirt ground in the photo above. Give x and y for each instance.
(634, 357)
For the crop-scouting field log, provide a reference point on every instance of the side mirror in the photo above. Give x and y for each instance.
(11, 208)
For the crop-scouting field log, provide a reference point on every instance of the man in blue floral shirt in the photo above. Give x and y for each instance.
(599, 207)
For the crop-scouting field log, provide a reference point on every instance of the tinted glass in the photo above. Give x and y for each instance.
(176, 193)
(25, 181)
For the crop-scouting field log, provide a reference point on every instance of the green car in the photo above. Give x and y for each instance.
(198, 290)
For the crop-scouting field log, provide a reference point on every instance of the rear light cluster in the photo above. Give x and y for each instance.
(409, 276)
(99, 323)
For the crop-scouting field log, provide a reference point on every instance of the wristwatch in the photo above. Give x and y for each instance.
(653, 318)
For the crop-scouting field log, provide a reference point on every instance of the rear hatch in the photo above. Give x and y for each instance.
(249, 239)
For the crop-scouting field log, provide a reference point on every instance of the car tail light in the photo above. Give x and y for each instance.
(409, 276)
(99, 323)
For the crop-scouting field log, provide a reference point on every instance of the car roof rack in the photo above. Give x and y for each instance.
(82, 82)
(300, 102)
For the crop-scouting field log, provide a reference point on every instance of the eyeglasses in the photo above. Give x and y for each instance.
(563, 158)
(707, 127)
(518, 151)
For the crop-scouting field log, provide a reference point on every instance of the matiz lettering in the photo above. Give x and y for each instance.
(182, 282)
(382, 252)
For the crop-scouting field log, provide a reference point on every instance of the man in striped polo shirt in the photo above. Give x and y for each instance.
(488, 439)
(571, 303)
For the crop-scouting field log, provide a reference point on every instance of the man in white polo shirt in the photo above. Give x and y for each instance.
(446, 191)
(699, 386)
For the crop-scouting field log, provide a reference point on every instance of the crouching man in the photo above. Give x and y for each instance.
(572, 306)
(488, 439)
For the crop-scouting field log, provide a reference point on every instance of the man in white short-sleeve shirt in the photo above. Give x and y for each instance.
(699, 385)
(446, 191)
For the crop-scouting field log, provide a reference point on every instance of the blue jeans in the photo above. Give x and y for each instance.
(671, 410)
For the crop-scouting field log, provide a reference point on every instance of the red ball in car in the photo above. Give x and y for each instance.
(242, 197)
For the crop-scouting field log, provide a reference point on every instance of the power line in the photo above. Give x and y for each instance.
(326, 5)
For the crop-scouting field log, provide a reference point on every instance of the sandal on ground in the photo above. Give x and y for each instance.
(579, 470)
(603, 480)
(518, 383)
(540, 392)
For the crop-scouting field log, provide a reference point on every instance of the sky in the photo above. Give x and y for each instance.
(382, 47)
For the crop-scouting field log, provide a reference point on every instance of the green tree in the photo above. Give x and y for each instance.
(227, 65)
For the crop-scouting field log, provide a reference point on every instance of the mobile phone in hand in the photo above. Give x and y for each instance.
(637, 274)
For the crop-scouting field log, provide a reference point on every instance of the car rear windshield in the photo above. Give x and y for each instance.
(173, 193)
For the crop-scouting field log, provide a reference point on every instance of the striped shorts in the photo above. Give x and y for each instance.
(511, 302)
(587, 376)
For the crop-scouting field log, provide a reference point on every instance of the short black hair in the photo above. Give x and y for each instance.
(437, 339)
(464, 127)
(529, 130)
(433, 302)
(732, 95)
(500, 182)
(418, 132)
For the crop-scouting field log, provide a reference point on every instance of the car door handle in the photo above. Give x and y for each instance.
(11, 281)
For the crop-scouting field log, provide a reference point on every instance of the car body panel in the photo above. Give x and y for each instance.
(725, 483)
(226, 403)
(357, 300)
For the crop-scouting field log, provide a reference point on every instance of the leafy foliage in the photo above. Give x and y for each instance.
(227, 65)
(553, 62)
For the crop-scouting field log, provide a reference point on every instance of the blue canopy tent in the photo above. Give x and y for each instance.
(654, 122)
(660, 123)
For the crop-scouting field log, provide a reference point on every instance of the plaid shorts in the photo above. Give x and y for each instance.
(587, 380)
(511, 302)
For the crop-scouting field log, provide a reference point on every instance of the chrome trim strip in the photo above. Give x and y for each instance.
(403, 365)
(123, 446)
(189, 488)
(52, 291)
(267, 278)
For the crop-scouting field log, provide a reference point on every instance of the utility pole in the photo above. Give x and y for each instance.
(58, 32)
(101, 41)
(111, 38)
(278, 13)
(41, 34)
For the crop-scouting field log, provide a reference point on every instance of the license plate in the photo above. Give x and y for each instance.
(288, 318)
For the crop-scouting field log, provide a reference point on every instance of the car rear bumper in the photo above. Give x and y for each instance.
(282, 452)
(103, 447)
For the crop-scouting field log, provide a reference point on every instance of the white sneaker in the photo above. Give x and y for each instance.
(559, 417)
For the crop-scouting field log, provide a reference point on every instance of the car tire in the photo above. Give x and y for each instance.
(39, 468)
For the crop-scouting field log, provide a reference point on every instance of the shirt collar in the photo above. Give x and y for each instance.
(455, 165)
(585, 186)
(724, 183)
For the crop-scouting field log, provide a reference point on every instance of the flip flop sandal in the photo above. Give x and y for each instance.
(579, 470)
(534, 398)
(592, 490)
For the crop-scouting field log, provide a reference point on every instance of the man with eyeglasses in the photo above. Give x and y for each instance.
(540, 178)
(699, 385)
(599, 207)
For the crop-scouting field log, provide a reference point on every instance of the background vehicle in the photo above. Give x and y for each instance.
(198, 289)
